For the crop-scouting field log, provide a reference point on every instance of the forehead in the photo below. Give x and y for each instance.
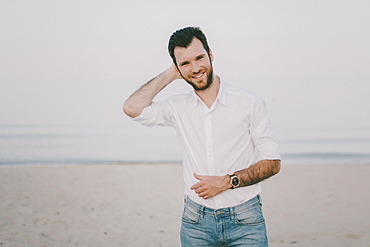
(194, 49)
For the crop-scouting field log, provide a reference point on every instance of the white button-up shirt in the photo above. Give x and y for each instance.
(231, 135)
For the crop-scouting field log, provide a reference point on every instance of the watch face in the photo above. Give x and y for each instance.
(235, 181)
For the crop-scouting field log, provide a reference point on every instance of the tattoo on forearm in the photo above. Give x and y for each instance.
(258, 172)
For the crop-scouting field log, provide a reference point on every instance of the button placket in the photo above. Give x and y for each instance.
(210, 148)
(209, 143)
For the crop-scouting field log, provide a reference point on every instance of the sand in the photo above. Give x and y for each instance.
(141, 205)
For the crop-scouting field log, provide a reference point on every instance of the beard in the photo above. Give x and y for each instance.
(208, 84)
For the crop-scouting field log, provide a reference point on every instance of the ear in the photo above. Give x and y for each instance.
(211, 55)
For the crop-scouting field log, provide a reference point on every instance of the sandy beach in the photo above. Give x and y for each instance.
(141, 205)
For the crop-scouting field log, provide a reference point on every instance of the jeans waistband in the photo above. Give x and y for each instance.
(222, 212)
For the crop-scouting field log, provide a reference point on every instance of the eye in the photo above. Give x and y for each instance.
(184, 63)
(200, 57)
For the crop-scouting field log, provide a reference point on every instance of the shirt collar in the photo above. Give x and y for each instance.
(221, 96)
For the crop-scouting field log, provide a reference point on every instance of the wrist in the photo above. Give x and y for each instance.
(234, 181)
(227, 182)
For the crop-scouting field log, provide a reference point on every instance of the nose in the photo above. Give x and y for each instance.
(195, 68)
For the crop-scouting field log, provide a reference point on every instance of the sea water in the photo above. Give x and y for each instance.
(132, 143)
(316, 121)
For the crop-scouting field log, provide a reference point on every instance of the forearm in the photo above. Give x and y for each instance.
(210, 186)
(142, 97)
(258, 172)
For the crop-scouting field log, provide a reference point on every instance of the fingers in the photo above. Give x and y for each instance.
(199, 177)
(204, 196)
(203, 192)
(199, 184)
(176, 73)
(204, 187)
(195, 186)
(200, 189)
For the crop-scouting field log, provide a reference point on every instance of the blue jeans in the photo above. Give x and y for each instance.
(242, 225)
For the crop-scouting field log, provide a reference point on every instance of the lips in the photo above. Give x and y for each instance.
(198, 75)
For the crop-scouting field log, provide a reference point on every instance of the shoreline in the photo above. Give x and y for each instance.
(130, 163)
(141, 205)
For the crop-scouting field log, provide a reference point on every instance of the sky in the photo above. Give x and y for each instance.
(75, 62)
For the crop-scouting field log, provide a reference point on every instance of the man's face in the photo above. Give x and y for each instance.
(195, 65)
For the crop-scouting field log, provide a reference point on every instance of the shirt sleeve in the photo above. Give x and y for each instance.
(262, 133)
(156, 114)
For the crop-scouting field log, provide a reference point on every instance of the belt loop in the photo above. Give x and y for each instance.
(186, 199)
(259, 199)
(232, 213)
(201, 212)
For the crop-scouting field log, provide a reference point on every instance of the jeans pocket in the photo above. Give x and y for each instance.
(190, 215)
(250, 215)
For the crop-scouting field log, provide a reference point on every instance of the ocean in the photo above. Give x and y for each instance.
(316, 121)
(130, 142)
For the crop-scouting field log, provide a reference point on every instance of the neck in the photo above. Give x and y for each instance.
(209, 95)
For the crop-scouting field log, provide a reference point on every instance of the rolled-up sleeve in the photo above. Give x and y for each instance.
(262, 133)
(156, 114)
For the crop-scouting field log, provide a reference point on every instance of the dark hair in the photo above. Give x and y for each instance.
(183, 38)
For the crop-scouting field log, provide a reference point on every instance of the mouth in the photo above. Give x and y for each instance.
(198, 76)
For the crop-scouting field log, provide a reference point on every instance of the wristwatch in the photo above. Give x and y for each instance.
(234, 181)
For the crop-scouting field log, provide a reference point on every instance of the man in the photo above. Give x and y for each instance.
(227, 143)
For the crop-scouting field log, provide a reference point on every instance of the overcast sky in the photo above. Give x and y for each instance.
(76, 61)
